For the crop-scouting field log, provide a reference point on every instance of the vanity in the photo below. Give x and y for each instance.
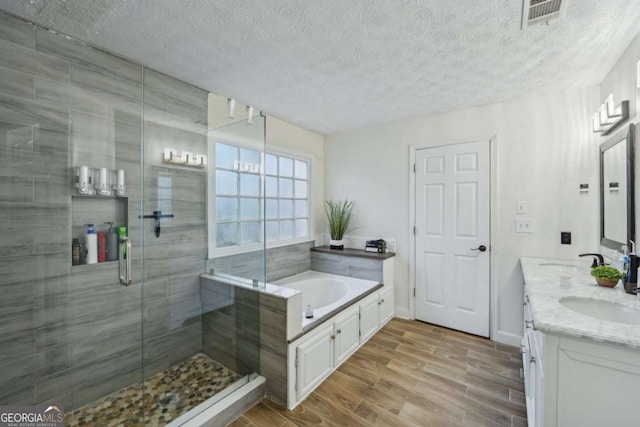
(580, 349)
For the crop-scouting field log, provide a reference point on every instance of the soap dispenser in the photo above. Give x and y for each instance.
(91, 243)
(631, 278)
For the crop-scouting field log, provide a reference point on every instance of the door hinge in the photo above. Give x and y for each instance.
(414, 292)
(414, 230)
(414, 168)
(296, 365)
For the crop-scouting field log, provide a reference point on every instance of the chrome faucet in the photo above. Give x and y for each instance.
(597, 259)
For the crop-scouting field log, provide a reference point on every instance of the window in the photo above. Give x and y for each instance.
(243, 218)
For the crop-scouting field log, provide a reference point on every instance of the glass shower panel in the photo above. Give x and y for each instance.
(188, 319)
(70, 126)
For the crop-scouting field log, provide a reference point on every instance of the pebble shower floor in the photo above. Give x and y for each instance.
(167, 395)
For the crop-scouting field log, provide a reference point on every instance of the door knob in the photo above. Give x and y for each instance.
(480, 248)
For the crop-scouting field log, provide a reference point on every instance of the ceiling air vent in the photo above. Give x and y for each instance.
(538, 11)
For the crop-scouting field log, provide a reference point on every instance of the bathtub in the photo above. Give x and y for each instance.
(326, 293)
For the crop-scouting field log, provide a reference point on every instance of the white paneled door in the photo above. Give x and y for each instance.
(452, 236)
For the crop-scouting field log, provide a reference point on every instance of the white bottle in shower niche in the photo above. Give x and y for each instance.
(91, 243)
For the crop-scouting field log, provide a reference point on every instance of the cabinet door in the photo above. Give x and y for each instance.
(369, 317)
(386, 305)
(531, 398)
(539, 392)
(314, 359)
(347, 332)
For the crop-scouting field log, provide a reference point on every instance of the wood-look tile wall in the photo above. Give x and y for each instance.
(70, 335)
(282, 262)
(351, 266)
(246, 331)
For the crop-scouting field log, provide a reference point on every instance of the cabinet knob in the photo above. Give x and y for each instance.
(339, 331)
(532, 360)
(333, 337)
(382, 301)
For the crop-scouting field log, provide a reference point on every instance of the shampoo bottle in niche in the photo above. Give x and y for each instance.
(91, 243)
(112, 243)
(122, 232)
(102, 246)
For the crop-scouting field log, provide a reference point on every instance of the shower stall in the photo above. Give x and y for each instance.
(87, 137)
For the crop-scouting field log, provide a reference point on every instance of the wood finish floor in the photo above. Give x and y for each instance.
(412, 374)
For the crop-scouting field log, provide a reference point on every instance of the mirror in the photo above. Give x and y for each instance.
(617, 218)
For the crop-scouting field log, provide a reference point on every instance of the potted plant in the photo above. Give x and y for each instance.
(606, 276)
(338, 215)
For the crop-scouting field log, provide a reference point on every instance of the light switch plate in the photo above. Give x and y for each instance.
(521, 207)
(524, 225)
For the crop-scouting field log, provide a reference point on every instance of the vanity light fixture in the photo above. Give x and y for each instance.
(185, 158)
(609, 116)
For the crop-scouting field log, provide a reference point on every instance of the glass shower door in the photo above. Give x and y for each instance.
(200, 340)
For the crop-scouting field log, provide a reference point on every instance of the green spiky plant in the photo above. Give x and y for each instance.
(339, 216)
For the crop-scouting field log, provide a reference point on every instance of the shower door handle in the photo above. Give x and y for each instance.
(124, 260)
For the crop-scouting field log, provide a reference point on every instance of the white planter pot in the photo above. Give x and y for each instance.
(336, 244)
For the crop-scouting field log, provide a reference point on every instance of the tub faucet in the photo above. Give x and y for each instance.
(597, 259)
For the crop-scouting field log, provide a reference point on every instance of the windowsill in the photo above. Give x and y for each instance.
(272, 245)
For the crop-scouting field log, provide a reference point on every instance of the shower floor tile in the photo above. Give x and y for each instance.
(167, 395)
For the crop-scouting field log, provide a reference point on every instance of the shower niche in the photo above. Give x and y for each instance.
(101, 211)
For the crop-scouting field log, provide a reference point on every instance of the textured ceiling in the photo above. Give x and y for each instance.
(335, 65)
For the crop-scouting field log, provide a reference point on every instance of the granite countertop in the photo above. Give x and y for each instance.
(548, 280)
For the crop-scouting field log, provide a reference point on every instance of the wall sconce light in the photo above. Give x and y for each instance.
(249, 115)
(185, 158)
(232, 106)
(608, 117)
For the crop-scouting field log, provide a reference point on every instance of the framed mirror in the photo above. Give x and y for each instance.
(617, 217)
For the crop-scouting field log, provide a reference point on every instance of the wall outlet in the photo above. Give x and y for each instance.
(521, 207)
(524, 225)
(565, 237)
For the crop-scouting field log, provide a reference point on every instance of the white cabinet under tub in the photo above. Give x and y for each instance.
(369, 317)
(314, 359)
(346, 330)
(315, 355)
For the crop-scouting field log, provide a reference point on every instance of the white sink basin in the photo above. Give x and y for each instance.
(602, 309)
(561, 265)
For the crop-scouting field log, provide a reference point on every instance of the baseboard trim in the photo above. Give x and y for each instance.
(507, 338)
(402, 312)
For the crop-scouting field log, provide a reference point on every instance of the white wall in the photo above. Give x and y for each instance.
(621, 81)
(545, 150)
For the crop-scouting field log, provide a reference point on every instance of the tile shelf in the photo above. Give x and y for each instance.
(97, 210)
